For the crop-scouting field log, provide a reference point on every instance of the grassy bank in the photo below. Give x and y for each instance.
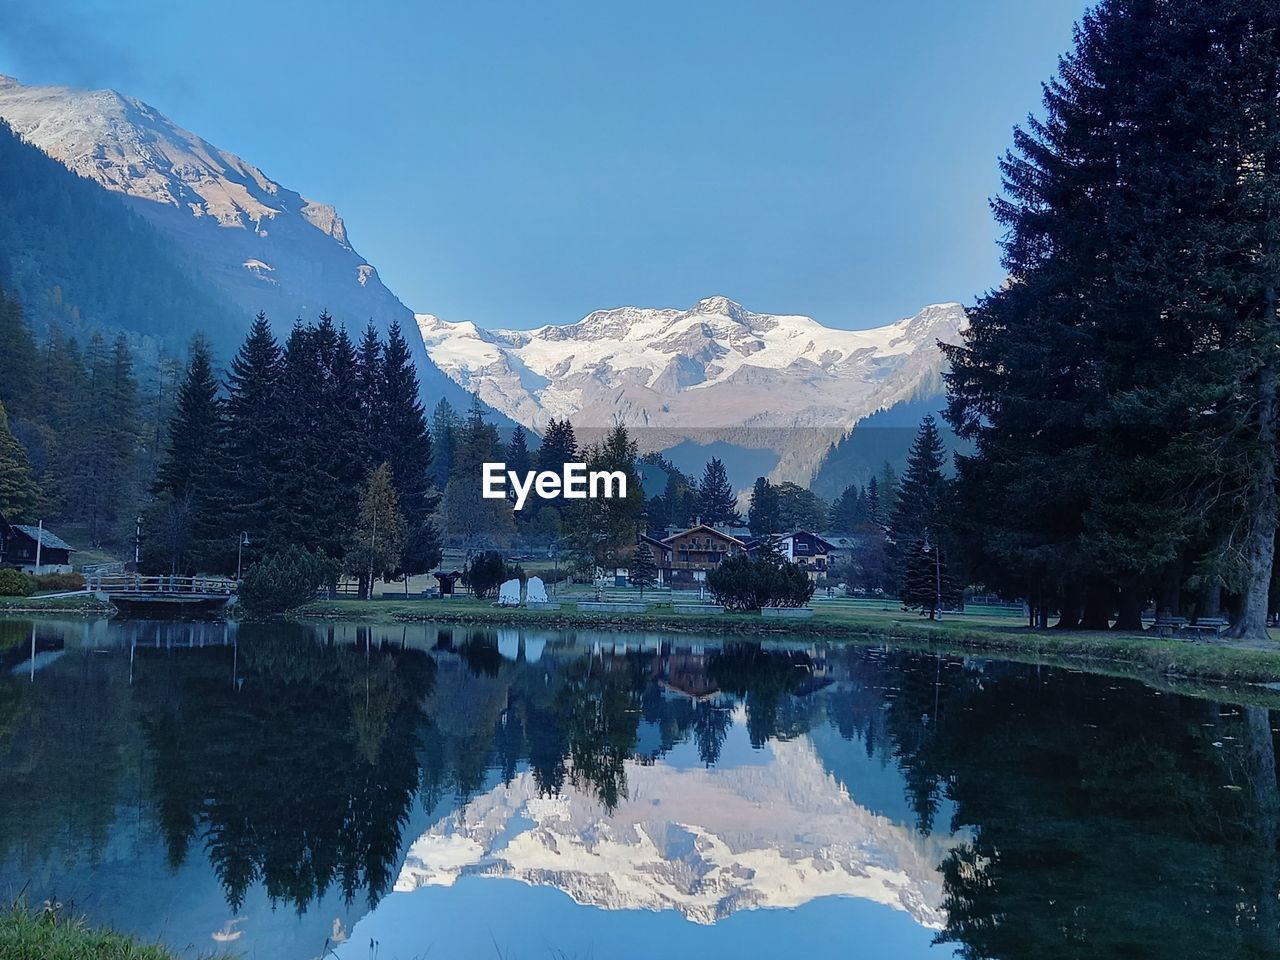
(1131, 654)
(79, 604)
(50, 935)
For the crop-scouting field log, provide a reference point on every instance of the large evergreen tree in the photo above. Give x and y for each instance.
(254, 424)
(716, 503)
(1120, 387)
(190, 474)
(919, 528)
(764, 515)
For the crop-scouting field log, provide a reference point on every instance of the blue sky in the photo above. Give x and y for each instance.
(521, 163)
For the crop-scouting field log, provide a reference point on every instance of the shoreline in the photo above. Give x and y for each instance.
(1138, 655)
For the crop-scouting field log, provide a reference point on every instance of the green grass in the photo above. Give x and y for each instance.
(48, 934)
(1139, 655)
(81, 604)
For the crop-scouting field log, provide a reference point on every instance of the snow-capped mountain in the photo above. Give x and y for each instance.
(716, 371)
(704, 842)
(265, 246)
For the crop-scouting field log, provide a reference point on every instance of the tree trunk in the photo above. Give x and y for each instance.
(1211, 604)
(1069, 617)
(1133, 597)
(1097, 606)
(1169, 601)
(1260, 542)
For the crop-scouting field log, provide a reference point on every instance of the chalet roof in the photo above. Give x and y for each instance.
(46, 538)
(805, 533)
(709, 529)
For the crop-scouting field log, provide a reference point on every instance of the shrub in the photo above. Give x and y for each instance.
(58, 582)
(281, 581)
(14, 583)
(747, 583)
(488, 571)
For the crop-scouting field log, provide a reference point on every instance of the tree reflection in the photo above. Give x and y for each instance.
(301, 775)
(1105, 819)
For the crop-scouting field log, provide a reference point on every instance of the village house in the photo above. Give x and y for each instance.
(685, 558)
(32, 550)
(810, 552)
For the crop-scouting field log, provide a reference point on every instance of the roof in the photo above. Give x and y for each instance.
(805, 533)
(46, 538)
(709, 529)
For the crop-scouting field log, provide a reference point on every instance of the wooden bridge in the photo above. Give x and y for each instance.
(135, 594)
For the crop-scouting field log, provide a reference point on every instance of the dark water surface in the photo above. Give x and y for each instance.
(348, 791)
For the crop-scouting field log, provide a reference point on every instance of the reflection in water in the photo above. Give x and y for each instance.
(184, 781)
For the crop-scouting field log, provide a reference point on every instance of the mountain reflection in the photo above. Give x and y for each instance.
(1015, 812)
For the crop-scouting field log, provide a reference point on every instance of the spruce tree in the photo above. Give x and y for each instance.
(644, 569)
(716, 502)
(763, 514)
(919, 516)
(19, 493)
(254, 427)
(190, 473)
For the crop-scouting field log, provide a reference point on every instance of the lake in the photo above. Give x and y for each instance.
(408, 791)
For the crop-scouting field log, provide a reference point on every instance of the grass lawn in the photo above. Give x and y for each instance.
(1140, 655)
(49, 935)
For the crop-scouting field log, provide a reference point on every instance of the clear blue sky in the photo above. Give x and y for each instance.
(519, 163)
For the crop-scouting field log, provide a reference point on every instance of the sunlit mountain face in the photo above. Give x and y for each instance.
(408, 790)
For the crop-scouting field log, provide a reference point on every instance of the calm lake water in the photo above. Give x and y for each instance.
(402, 792)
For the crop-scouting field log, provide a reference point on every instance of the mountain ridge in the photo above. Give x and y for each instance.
(264, 246)
(714, 371)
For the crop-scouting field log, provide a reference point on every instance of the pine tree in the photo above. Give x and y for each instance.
(644, 569)
(518, 458)
(716, 502)
(19, 493)
(763, 516)
(1123, 380)
(850, 509)
(190, 473)
(920, 520)
(254, 427)
(444, 425)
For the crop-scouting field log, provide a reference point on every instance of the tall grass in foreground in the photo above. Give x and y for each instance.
(48, 933)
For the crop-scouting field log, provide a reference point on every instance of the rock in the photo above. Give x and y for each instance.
(509, 593)
(536, 591)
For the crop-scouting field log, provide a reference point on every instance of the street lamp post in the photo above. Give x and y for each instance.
(137, 542)
(244, 542)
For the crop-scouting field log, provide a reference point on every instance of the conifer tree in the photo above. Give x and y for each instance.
(518, 458)
(444, 425)
(190, 473)
(254, 428)
(716, 502)
(763, 516)
(643, 572)
(920, 521)
(19, 493)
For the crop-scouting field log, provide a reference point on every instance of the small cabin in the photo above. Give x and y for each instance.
(33, 550)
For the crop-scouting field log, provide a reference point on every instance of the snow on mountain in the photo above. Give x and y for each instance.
(715, 371)
(704, 842)
(267, 247)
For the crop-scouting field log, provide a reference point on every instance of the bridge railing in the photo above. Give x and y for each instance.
(137, 583)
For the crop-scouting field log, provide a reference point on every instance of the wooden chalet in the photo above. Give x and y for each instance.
(18, 549)
(688, 556)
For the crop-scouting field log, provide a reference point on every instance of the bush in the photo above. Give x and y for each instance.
(14, 584)
(284, 580)
(58, 582)
(747, 583)
(489, 571)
